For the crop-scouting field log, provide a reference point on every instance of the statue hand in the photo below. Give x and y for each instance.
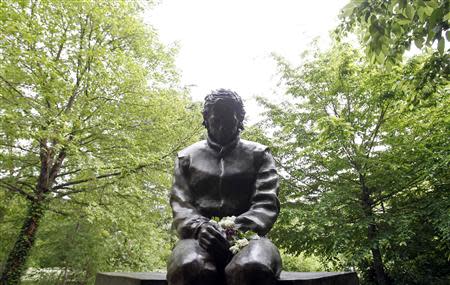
(213, 240)
(240, 225)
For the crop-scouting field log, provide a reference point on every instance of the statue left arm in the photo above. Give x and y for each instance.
(265, 205)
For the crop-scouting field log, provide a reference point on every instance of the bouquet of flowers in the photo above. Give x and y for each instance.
(235, 237)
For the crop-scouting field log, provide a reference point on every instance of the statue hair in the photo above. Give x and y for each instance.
(226, 96)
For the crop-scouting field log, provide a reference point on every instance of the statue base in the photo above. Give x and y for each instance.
(286, 278)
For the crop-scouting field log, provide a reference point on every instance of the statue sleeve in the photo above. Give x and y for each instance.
(265, 205)
(186, 218)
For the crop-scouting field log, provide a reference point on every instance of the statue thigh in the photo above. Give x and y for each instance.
(190, 264)
(259, 263)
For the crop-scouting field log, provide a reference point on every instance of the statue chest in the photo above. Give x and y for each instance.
(222, 186)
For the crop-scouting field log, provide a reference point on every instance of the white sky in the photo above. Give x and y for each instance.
(227, 44)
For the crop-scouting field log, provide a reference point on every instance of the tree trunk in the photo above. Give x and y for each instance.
(378, 265)
(15, 264)
(372, 233)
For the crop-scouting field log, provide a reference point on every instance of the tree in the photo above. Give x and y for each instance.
(88, 98)
(353, 158)
(102, 231)
(387, 28)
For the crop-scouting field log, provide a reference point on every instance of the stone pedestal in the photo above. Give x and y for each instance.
(286, 278)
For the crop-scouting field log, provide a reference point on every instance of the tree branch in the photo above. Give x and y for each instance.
(76, 182)
(377, 128)
(57, 165)
(69, 172)
(19, 147)
(15, 189)
(10, 85)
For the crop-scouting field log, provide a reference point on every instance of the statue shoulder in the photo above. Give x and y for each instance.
(193, 148)
(254, 146)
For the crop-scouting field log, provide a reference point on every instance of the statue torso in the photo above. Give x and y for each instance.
(222, 183)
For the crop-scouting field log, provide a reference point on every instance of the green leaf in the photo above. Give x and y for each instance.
(447, 16)
(403, 21)
(410, 12)
(441, 45)
(421, 13)
(419, 42)
(428, 10)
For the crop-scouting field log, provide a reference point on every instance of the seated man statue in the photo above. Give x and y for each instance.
(220, 177)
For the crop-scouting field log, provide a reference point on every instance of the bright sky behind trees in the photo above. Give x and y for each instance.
(228, 44)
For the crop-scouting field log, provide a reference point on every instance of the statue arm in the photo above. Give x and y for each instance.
(265, 205)
(186, 218)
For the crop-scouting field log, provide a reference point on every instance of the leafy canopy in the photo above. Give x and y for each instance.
(90, 118)
(388, 28)
(362, 173)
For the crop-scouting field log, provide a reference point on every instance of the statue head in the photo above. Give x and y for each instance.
(223, 115)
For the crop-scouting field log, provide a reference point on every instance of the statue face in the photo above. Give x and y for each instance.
(223, 124)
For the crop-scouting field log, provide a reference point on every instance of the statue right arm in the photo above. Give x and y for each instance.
(186, 218)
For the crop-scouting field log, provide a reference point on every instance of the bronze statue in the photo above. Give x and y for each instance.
(219, 177)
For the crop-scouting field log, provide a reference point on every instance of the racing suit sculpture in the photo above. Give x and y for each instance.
(219, 177)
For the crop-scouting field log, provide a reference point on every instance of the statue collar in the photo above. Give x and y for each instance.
(223, 149)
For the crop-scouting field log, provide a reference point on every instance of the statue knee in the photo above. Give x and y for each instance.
(246, 267)
(249, 273)
(193, 270)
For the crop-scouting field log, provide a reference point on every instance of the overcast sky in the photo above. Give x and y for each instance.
(228, 44)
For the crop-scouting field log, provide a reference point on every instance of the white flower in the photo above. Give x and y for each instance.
(234, 249)
(227, 222)
(238, 245)
(242, 242)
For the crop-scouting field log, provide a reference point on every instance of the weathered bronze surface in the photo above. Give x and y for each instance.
(218, 177)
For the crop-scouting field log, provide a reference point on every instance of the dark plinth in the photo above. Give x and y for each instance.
(287, 278)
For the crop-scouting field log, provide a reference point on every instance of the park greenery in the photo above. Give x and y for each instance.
(92, 116)
(388, 28)
(365, 177)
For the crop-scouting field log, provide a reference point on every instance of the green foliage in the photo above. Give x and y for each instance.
(388, 28)
(106, 233)
(301, 263)
(13, 211)
(365, 178)
(90, 117)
